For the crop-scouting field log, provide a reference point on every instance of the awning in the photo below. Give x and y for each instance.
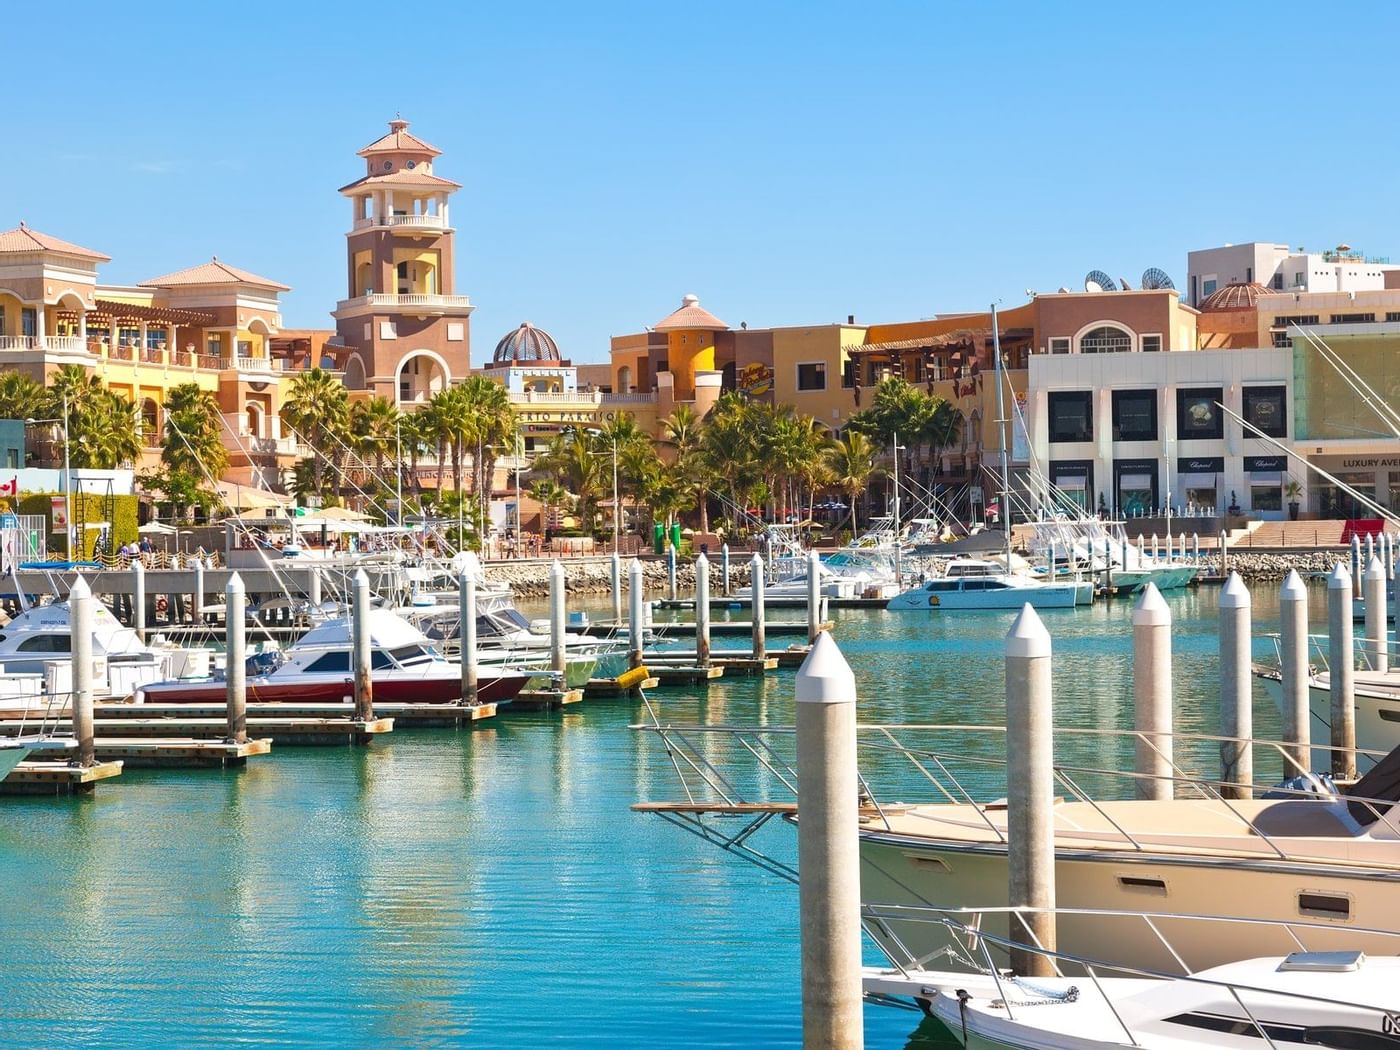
(1199, 481)
(1266, 477)
(112, 309)
(1077, 482)
(246, 497)
(1135, 482)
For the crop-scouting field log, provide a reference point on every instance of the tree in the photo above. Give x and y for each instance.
(374, 428)
(851, 460)
(318, 408)
(573, 462)
(21, 397)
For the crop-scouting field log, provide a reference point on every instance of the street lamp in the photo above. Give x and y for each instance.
(67, 476)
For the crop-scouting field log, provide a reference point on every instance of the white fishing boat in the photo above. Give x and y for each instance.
(976, 584)
(1342, 998)
(1377, 696)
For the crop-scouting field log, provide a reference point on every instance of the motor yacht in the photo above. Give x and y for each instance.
(971, 584)
(405, 667)
(1377, 699)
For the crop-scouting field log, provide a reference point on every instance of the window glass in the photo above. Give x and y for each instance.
(1105, 340)
(1208, 286)
(1134, 415)
(1201, 499)
(1264, 407)
(1071, 416)
(1151, 344)
(1059, 346)
(45, 643)
(1198, 416)
(1266, 497)
(811, 376)
(379, 660)
(330, 662)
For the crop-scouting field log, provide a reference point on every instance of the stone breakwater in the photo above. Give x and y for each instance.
(1262, 565)
(530, 579)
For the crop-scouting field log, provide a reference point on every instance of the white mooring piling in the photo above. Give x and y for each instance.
(1224, 554)
(1356, 566)
(1377, 655)
(361, 648)
(197, 595)
(814, 595)
(1030, 792)
(724, 560)
(313, 588)
(828, 850)
(756, 593)
(557, 618)
(466, 608)
(1156, 550)
(1388, 548)
(671, 591)
(138, 598)
(82, 617)
(702, 610)
(1293, 671)
(1196, 548)
(1152, 694)
(1341, 666)
(615, 581)
(1236, 689)
(636, 614)
(236, 659)
(1370, 549)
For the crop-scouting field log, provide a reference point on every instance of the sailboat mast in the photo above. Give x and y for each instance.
(1001, 429)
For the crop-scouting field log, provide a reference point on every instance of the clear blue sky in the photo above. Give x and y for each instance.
(788, 163)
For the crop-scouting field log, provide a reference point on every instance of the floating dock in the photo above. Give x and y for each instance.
(57, 777)
(546, 699)
(303, 725)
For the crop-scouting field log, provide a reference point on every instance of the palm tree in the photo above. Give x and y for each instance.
(548, 494)
(574, 463)
(683, 432)
(495, 424)
(375, 426)
(193, 444)
(318, 407)
(21, 397)
(852, 463)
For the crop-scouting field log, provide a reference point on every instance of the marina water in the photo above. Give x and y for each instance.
(491, 887)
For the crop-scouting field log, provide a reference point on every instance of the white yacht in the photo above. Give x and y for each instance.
(972, 584)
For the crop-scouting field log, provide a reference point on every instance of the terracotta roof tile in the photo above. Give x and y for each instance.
(399, 141)
(212, 272)
(691, 315)
(402, 177)
(23, 239)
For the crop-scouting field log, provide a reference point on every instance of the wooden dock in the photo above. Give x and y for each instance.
(57, 777)
(629, 683)
(302, 725)
(686, 674)
(545, 699)
(175, 752)
(741, 601)
(687, 629)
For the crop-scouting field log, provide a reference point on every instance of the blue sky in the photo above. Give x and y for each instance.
(788, 163)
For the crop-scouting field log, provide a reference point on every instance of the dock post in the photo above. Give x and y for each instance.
(1355, 566)
(828, 850)
(1341, 666)
(1196, 547)
(814, 596)
(671, 591)
(1123, 552)
(615, 581)
(313, 589)
(1236, 690)
(1224, 555)
(1030, 792)
(1377, 647)
(1389, 546)
(1293, 670)
(724, 559)
(1370, 548)
(702, 611)
(557, 627)
(1107, 565)
(756, 591)
(1050, 559)
(636, 614)
(1156, 550)
(235, 662)
(359, 624)
(138, 598)
(1152, 695)
(466, 602)
(82, 618)
(197, 594)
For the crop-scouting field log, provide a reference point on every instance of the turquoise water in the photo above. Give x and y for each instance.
(489, 887)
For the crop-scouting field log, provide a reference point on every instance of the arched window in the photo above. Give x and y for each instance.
(1105, 340)
(624, 380)
(150, 422)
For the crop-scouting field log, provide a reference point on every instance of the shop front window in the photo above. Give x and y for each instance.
(1135, 415)
(1266, 497)
(1071, 416)
(1264, 408)
(1198, 414)
(1202, 499)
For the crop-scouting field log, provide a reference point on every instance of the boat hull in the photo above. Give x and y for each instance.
(1056, 596)
(335, 689)
(12, 753)
(1377, 718)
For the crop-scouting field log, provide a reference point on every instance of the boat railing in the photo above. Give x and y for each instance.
(728, 772)
(966, 928)
(1364, 652)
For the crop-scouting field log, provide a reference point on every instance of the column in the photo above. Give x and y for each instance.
(39, 325)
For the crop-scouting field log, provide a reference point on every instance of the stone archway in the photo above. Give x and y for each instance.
(420, 375)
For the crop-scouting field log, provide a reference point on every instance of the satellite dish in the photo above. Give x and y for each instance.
(1156, 279)
(1098, 281)
(1123, 284)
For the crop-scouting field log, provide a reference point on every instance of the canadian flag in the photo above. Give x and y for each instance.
(10, 486)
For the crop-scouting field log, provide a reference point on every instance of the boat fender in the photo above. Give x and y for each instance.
(963, 998)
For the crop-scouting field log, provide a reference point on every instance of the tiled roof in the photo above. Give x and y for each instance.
(1239, 296)
(399, 141)
(23, 239)
(212, 272)
(691, 315)
(402, 177)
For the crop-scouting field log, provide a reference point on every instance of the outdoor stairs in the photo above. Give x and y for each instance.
(1323, 533)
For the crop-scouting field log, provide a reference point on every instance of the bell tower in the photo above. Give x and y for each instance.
(404, 330)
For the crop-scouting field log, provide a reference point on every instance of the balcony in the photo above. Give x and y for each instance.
(418, 303)
(56, 344)
(404, 223)
(254, 365)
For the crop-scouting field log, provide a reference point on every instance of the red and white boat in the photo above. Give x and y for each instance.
(404, 665)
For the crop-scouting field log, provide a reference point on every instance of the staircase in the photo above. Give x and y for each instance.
(1325, 533)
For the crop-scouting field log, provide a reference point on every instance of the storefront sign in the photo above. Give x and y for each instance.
(1200, 465)
(1136, 466)
(1265, 464)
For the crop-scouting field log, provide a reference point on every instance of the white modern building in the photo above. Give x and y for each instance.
(1283, 269)
(1132, 433)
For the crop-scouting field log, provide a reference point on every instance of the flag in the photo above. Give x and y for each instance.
(10, 486)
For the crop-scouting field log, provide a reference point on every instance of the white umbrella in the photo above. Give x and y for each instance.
(155, 528)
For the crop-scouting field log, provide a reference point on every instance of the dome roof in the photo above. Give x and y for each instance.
(526, 344)
(693, 316)
(1235, 297)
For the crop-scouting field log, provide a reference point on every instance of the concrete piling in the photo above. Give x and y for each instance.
(361, 649)
(1355, 566)
(138, 598)
(1293, 671)
(615, 582)
(1196, 548)
(313, 588)
(702, 610)
(814, 595)
(671, 590)
(1156, 550)
(1152, 694)
(636, 614)
(236, 659)
(471, 670)
(197, 595)
(756, 591)
(1341, 666)
(1236, 689)
(1224, 554)
(82, 618)
(724, 559)
(557, 624)
(1030, 792)
(828, 850)
(1377, 635)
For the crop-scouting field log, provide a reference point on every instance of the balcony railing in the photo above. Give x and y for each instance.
(432, 302)
(56, 343)
(423, 222)
(255, 364)
(584, 397)
(633, 397)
